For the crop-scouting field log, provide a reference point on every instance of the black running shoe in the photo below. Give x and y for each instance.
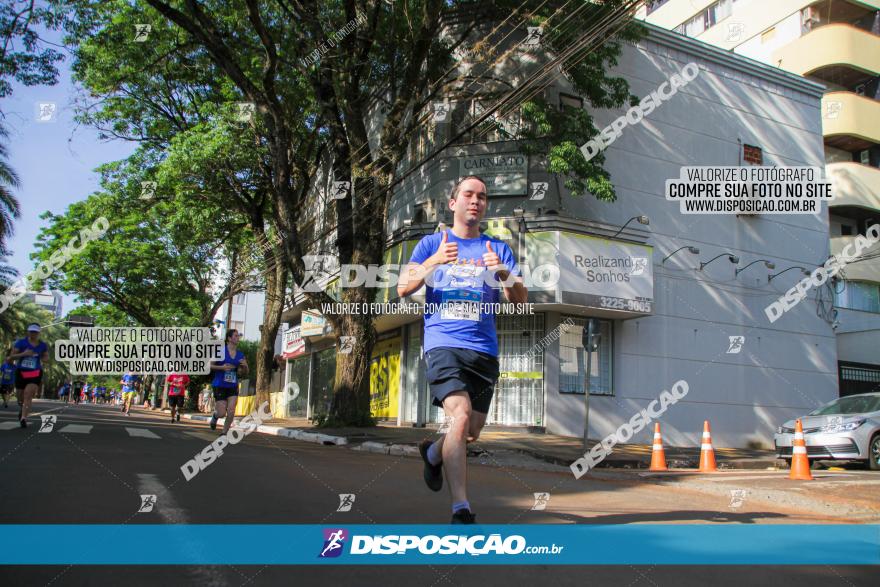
(178, 416)
(433, 474)
(213, 422)
(23, 423)
(464, 517)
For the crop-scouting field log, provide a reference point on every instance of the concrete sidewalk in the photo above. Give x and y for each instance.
(388, 438)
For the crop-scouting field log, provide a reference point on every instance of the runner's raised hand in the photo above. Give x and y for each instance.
(447, 252)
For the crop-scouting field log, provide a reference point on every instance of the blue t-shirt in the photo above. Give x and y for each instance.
(8, 373)
(228, 378)
(128, 381)
(453, 317)
(32, 363)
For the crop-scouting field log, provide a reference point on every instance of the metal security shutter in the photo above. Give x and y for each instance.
(519, 394)
(858, 378)
(413, 373)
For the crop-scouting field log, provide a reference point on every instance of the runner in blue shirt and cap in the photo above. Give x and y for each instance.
(29, 353)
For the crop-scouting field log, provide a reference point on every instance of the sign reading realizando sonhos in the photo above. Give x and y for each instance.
(607, 274)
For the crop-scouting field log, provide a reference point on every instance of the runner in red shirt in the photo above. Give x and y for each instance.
(177, 383)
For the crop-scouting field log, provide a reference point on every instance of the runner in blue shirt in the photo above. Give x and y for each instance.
(29, 353)
(463, 270)
(129, 383)
(7, 380)
(225, 382)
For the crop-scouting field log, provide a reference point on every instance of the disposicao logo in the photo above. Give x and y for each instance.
(334, 542)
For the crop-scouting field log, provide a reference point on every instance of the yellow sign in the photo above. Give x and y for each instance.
(385, 378)
(522, 375)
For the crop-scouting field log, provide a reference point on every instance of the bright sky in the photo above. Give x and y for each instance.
(55, 161)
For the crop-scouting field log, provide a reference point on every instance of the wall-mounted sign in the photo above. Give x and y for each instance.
(312, 324)
(505, 173)
(294, 343)
(604, 273)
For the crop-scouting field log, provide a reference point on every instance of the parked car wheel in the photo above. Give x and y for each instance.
(874, 453)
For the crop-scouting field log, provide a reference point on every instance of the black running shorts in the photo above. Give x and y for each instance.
(176, 401)
(21, 382)
(221, 394)
(453, 369)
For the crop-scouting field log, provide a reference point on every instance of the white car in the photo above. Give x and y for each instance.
(846, 429)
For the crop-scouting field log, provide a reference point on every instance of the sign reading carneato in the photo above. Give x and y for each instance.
(506, 174)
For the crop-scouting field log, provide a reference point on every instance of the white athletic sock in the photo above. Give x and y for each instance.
(461, 505)
(435, 456)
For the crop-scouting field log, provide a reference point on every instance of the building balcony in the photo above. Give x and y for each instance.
(849, 121)
(831, 46)
(855, 185)
(864, 268)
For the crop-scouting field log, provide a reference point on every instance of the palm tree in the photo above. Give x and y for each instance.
(9, 208)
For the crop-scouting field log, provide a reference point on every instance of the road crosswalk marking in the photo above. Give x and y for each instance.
(141, 432)
(77, 428)
(87, 429)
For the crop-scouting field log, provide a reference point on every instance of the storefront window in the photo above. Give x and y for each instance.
(299, 374)
(573, 358)
(322, 381)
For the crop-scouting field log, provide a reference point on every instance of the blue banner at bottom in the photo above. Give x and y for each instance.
(387, 544)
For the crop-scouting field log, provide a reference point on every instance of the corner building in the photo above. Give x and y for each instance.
(660, 321)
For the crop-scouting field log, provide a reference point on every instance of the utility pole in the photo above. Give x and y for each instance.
(591, 338)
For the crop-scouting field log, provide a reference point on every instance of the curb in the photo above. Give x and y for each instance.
(410, 450)
(294, 433)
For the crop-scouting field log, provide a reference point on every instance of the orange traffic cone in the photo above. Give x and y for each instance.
(658, 457)
(800, 464)
(707, 453)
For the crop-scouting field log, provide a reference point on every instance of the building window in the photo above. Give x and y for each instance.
(573, 358)
(858, 295)
(846, 230)
(237, 325)
(753, 155)
(705, 19)
(239, 299)
(654, 5)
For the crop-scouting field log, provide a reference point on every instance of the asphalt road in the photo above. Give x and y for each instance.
(96, 463)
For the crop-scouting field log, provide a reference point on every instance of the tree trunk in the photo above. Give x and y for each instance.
(351, 392)
(276, 281)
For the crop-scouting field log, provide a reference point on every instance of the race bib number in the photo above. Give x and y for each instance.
(459, 304)
(29, 363)
(230, 377)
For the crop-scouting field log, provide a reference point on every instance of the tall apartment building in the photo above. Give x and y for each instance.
(50, 301)
(837, 44)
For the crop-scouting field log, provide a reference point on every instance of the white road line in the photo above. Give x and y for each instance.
(141, 432)
(77, 428)
(9, 425)
(171, 512)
